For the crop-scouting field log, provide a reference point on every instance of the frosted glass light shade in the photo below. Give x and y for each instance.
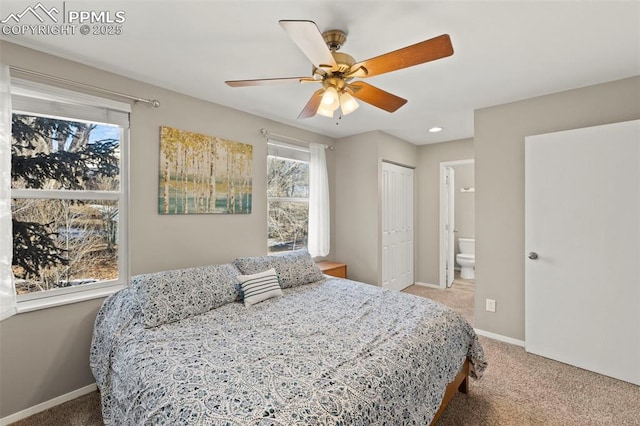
(330, 99)
(348, 103)
(322, 110)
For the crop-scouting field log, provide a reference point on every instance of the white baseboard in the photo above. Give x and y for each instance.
(499, 337)
(427, 285)
(47, 404)
(479, 332)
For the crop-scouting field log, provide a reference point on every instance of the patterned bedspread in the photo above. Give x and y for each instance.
(332, 352)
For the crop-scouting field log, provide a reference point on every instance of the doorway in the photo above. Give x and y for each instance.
(457, 201)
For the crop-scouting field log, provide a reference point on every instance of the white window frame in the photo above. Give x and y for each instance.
(288, 152)
(37, 99)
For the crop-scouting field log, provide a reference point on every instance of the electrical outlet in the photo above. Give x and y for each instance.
(491, 305)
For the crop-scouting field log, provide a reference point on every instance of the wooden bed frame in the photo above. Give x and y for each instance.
(460, 383)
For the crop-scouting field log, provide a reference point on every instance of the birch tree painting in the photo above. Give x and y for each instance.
(202, 174)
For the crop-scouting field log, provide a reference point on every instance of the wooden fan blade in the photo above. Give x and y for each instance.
(307, 36)
(267, 81)
(376, 97)
(419, 53)
(311, 107)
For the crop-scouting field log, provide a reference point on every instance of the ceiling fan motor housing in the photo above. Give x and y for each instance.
(344, 63)
(338, 83)
(334, 39)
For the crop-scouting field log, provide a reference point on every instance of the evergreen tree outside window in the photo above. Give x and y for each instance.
(69, 184)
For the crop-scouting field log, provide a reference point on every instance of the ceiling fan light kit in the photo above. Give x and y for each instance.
(335, 70)
(324, 111)
(330, 99)
(347, 103)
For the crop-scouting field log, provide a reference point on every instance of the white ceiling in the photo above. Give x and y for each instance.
(504, 51)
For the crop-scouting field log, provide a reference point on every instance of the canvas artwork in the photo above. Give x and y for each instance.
(201, 174)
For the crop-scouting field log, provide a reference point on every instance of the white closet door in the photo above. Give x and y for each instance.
(582, 241)
(397, 226)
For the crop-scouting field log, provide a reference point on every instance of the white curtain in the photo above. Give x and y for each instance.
(7, 290)
(319, 212)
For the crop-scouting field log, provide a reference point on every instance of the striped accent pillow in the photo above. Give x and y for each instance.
(260, 286)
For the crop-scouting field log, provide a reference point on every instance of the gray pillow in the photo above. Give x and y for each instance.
(171, 296)
(293, 268)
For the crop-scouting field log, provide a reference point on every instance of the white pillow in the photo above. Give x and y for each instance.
(260, 286)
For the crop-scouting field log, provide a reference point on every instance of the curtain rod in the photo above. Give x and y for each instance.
(151, 102)
(267, 133)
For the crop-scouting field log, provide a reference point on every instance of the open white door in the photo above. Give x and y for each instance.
(582, 240)
(451, 224)
(447, 226)
(397, 226)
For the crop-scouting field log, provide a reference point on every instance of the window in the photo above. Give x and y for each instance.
(287, 196)
(68, 190)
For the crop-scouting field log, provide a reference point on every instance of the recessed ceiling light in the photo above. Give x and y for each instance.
(435, 129)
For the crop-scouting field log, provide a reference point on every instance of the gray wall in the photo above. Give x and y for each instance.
(44, 354)
(356, 206)
(428, 203)
(358, 168)
(464, 202)
(499, 154)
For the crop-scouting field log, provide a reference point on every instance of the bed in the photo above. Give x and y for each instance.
(324, 351)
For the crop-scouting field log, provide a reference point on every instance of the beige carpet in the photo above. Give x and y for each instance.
(517, 388)
(83, 411)
(458, 297)
(523, 389)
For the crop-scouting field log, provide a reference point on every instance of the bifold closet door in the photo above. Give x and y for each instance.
(397, 226)
(582, 248)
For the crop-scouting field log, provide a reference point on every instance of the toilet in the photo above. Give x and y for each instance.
(467, 258)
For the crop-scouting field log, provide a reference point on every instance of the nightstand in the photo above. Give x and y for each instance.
(333, 268)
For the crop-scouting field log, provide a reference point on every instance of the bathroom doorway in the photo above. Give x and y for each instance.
(457, 213)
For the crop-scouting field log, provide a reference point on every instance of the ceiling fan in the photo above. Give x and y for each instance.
(335, 70)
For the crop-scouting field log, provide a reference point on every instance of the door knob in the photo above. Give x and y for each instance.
(533, 255)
